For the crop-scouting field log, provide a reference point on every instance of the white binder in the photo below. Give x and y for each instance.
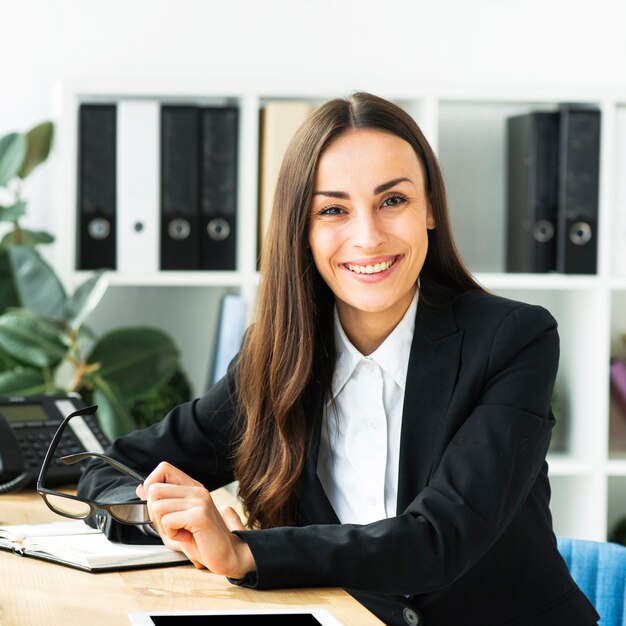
(138, 186)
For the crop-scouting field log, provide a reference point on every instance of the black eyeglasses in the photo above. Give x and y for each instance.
(81, 508)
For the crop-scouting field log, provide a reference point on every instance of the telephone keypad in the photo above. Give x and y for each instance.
(28, 424)
(34, 443)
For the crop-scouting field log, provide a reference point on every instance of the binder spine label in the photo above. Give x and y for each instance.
(532, 164)
(96, 211)
(578, 192)
(218, 193)
(180, 237)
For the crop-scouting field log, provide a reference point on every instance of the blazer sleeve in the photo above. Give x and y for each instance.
(482, 479)
(196, 437)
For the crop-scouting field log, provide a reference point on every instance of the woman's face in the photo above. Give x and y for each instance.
(368, 226)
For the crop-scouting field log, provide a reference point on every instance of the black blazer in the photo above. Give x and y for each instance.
(472, 542)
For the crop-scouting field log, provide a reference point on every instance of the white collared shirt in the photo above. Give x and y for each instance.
(360, 442)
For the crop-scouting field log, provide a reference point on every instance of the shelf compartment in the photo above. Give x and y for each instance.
(472, 150)
(616, 501)
(578, 506)
(190, 318)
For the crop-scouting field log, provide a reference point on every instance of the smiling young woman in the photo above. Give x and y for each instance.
(386, 418)
(370, 216)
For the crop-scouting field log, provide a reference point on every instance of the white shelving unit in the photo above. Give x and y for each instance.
(588, 471)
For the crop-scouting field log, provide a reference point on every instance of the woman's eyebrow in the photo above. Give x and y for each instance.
(378, 189)
(333, 194)
(390, 184)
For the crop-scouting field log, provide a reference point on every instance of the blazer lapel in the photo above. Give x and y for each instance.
(433, 366)
(315, 504)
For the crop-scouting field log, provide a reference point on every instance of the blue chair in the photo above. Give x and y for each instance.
(599, 569)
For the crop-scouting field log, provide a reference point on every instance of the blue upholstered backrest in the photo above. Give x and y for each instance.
(599, 569)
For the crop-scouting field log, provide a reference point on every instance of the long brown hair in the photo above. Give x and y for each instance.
(286, 362)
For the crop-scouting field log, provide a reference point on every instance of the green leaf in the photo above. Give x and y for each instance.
(28, 238)
(31, 339)
(85, 299)
(7, 240)
(138, 360)
(12, 153)
(113, 414)
(37, 285)
(38, 140)
(22, 382)
(7, 362)
(13, 212)
(8, 293)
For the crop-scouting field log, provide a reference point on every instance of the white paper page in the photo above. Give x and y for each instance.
(54, 529)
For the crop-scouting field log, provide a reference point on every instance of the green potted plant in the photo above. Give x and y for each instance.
(133, 374)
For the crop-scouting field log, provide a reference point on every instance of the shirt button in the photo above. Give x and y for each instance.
(369, 366)
(373, 500)
(372, 422)
(411, 617)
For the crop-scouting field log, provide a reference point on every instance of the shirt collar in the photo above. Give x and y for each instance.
(392, 355)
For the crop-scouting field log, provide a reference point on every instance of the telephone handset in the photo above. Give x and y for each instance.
(27, 425)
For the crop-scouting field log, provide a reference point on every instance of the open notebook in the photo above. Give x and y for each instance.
(75, 544)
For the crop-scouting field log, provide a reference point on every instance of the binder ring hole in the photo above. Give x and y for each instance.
(543, 231)
(218, 229)
(580, 233)
(179, 229)
(99, 228)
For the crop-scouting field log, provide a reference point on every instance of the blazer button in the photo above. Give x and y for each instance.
(411, 617)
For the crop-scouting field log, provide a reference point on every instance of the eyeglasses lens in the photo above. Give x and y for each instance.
(67, 506)
(130, 513)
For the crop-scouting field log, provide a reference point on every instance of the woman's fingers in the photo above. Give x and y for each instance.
(204, 540)
(165, 472)
(177, 518)
(156, 486)
(231, 518)
(161, 491)
(165, 498)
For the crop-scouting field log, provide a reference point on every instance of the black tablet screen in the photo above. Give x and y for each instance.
(250, 619)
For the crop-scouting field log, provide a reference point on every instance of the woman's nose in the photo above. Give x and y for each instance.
(368, 231)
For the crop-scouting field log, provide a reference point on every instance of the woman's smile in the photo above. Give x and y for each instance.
(372, 266)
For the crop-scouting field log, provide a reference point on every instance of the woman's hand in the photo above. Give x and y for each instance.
(184, 514)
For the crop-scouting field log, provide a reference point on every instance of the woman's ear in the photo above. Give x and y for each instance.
(430, 218)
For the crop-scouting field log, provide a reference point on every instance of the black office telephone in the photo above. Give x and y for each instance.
(27, 425)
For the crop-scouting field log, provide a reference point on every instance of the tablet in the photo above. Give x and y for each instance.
(288, 617)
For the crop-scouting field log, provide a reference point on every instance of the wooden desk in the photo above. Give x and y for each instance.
(35, 592)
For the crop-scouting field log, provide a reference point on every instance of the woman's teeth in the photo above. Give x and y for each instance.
(371, 269)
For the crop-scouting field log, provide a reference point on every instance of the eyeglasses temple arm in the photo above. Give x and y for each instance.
(86, 410)
(120, 467)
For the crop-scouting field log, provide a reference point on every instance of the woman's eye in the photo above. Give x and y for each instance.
(332, 210)
(395, 200)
